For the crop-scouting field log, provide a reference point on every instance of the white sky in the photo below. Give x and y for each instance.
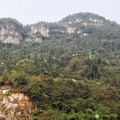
(32, 11)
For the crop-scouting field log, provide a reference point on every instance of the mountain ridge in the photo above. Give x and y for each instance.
(11, 31)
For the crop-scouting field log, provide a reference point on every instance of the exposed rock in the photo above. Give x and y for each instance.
(96, 22)
(33, 39)
(70, 29)
(85, 34)
(8, 34)
(40, 28)
(15, 106)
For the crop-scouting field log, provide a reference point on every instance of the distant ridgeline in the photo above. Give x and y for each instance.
(82, 24)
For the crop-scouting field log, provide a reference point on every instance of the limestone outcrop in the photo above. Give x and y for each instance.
(14, 106)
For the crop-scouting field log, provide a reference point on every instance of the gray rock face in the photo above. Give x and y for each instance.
(40, 28)
(8, 34)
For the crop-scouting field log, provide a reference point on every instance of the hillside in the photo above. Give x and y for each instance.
(68, 70)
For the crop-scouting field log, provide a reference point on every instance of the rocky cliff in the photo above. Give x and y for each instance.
(11, 31)
(14, 106)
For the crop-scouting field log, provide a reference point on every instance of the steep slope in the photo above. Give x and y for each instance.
(10, 31)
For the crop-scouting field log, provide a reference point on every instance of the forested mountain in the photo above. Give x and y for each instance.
(69, 69)
(82, 24)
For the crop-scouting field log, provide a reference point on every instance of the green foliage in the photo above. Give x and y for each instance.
(58, 74)
(35, 89)
(18, 79)
(26, 65)
(35, 114)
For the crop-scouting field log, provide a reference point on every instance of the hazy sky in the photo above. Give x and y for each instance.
(32, 11)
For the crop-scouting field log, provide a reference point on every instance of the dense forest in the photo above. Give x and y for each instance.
(68, 76)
